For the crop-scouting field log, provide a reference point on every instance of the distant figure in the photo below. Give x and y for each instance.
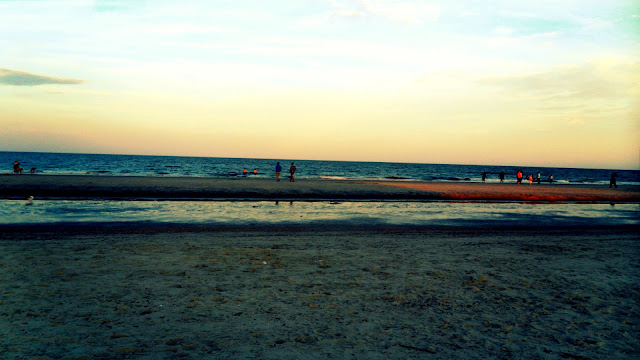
(530, 179)
(33, 170)
(551, 178)
(255, 171)
(292, 170)
(519, 177)
(538, 177)
(16, 167)
(501, 175)
(484, 176)
(244, 171)
(278, 170)
(612, 180)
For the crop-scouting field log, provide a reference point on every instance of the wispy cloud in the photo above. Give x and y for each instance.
(19, 78)
(415, 12)
(404, 12)
(597, 80)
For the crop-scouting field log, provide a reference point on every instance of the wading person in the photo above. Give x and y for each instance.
(612, 180)
(292, 170)
(278, 170)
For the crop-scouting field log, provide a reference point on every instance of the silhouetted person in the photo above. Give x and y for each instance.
(550, 178)
(16, 167)
(244, 171)
(519, 177)
(501, 175)
(538, 177)
(484, 176)
(278, 170)
(292, 170)
(33, 170)
(612, 180)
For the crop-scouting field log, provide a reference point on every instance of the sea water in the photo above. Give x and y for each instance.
(305, 212)
(140, 165)
(365, 213)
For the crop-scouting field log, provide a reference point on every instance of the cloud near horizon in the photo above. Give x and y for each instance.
(595, 80)
(20, 78)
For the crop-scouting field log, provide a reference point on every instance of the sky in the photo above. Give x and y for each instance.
(531, 83)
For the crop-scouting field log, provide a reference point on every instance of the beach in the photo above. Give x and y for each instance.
(341, 269)
(146, 187)
(278, 293)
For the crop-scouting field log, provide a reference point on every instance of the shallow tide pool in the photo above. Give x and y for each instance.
(250, 212)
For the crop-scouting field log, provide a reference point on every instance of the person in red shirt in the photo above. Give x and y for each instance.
(519, 177)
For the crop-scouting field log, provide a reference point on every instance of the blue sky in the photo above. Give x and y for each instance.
(482, 82)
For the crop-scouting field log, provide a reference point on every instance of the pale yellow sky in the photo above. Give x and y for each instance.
(402, 81)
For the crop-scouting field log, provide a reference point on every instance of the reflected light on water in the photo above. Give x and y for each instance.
(241, 212)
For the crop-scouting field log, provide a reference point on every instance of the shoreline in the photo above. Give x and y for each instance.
(84, 187)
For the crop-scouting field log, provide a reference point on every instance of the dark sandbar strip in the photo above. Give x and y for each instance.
(174, 188)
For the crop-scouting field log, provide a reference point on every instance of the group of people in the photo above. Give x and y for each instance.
(292, 171)
(519, 176)
(18, 170)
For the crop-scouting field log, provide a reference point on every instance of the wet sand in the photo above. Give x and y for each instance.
(108, 187)
(375, 293)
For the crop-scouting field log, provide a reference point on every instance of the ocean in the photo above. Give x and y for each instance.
(258, 213)
(142, 165)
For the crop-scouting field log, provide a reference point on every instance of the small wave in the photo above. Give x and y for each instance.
(334, 177)
(450, 179)
(397, 178)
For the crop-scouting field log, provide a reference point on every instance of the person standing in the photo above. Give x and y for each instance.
(484, 176)
(519, 177)
(292, 170)
(278, 170)
(501, 176)
(538, 177)
(530, 179)
(16, 167)
(612, 180)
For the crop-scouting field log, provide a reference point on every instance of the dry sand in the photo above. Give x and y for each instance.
(121, 187)
(386, 293)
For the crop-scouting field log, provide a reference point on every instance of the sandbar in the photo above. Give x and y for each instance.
(141, 187)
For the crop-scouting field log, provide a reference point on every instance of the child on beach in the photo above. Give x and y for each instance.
(519, 177)
(530, 179)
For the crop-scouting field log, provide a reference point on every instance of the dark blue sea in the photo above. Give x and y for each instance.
(215, 213)
(141, 165)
